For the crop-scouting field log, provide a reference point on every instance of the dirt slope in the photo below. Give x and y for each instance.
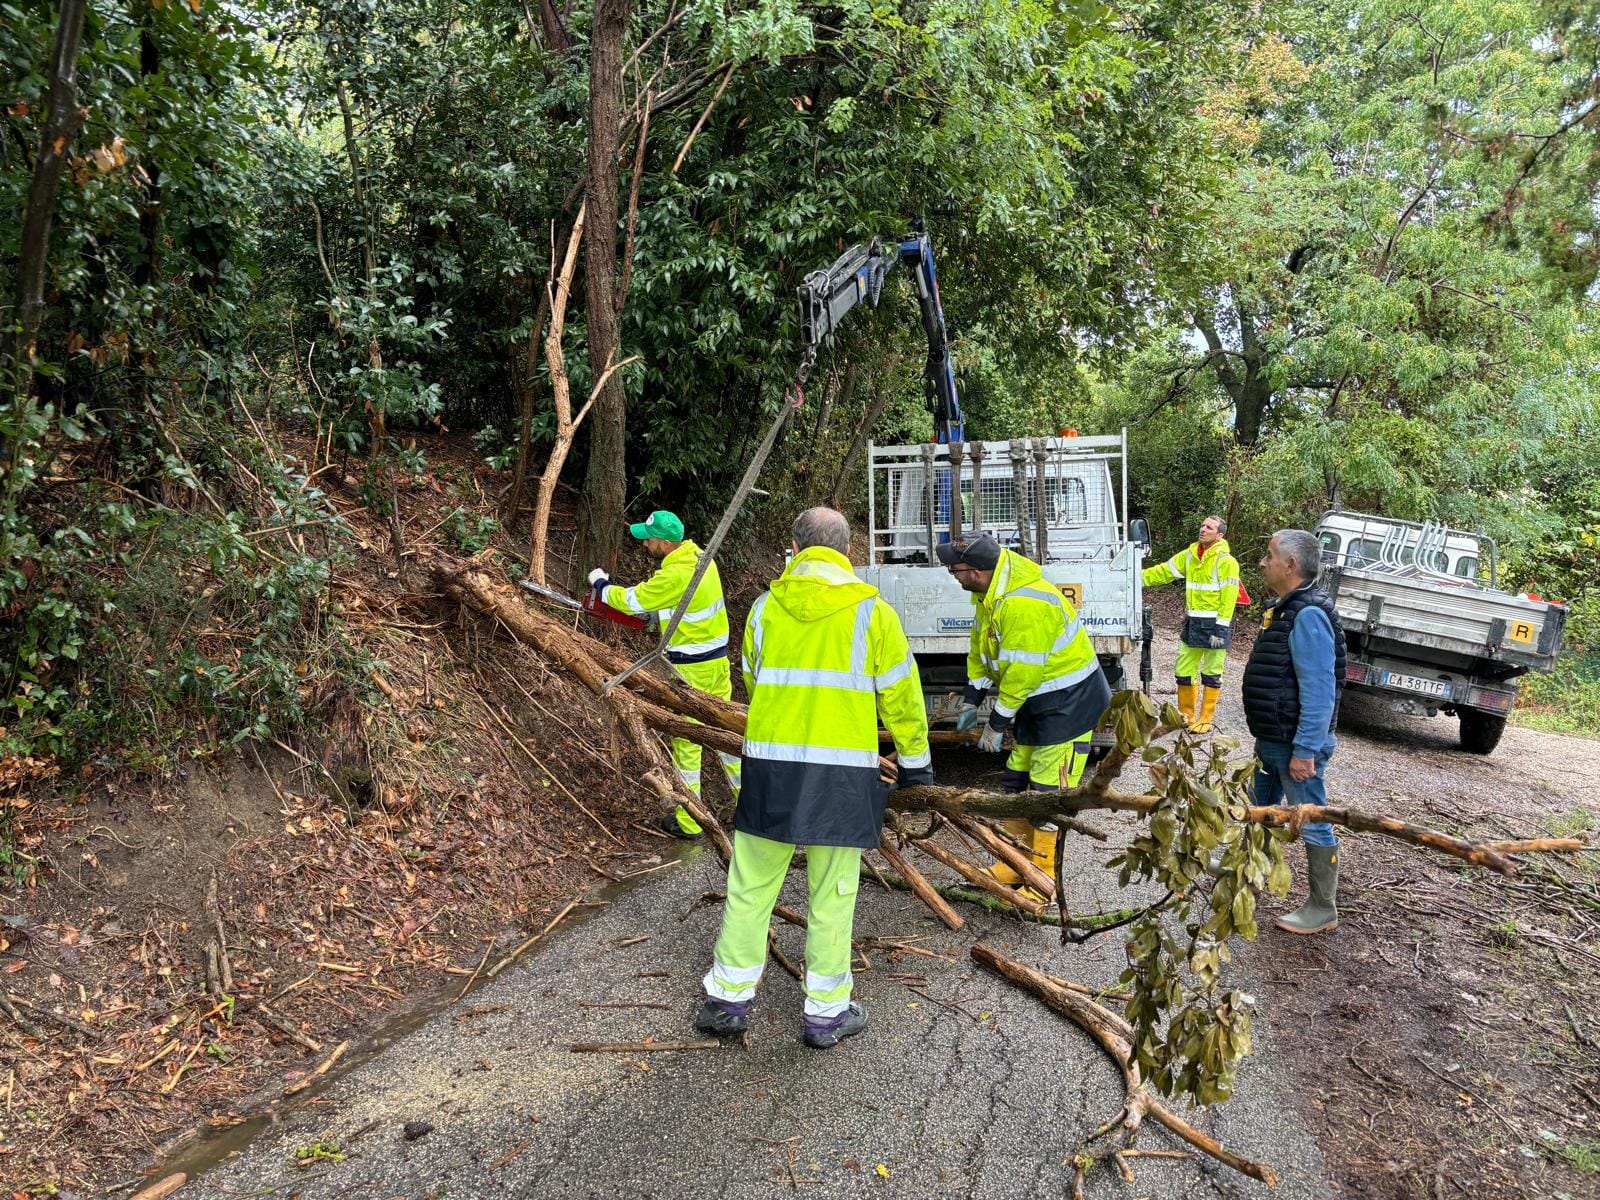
(419, 842)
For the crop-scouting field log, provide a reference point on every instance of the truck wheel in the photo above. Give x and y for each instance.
(1480, 731)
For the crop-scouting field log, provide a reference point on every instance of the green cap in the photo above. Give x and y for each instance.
(662, 524)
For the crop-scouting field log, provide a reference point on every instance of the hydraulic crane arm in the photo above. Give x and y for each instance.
(857, 275)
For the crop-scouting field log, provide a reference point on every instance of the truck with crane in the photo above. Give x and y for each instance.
(1060, 499)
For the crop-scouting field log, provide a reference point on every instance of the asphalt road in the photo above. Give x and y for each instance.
(972, 1089)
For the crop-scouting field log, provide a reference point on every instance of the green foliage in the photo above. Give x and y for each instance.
(319, 1152)
(1582, 1154)
(1178, 463)
(469, 533)
(1177, 953)
(1573, 823)
(146, 286)
(1008, 128)
(1387, 315)
(242, 648)
(1567, 700)
(130, 473)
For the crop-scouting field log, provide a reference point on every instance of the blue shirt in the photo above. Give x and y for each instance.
(1311, 649)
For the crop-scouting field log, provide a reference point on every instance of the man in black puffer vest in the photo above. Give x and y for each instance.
(1292, 685)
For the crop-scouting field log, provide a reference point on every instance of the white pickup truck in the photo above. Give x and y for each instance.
(1061, 501)
(1425, 624)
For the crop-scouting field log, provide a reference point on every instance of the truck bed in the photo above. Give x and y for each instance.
(1501, 634)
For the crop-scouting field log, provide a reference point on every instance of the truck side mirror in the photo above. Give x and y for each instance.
(1139, 531)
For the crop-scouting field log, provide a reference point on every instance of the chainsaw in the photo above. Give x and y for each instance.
(591, 604)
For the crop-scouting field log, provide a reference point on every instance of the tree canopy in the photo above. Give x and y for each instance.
(1310, 254)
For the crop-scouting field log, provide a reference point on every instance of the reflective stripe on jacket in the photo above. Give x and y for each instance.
(824, 661)
(704, 627)
(1210, 590)
(1028, 640)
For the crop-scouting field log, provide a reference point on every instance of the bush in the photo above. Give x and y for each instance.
(1567, 700)
(140, 625)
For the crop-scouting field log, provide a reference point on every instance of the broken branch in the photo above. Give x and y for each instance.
(1112, 1034)
(322, 1069)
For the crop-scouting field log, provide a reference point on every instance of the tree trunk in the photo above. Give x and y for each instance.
(376, 417)
(56, 132)
(606, 482)
(1255, 391)
(526, 394)
(1242, 374)
(1250, 405)
(147, 272)
(555, 29)
(555, 302)
(566, 423)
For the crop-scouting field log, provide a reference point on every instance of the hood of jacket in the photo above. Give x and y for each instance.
(817, 583)
(1013, 572)
(686, 550)
(1218, 548)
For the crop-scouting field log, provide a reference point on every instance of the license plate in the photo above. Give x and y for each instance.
(1414, 683)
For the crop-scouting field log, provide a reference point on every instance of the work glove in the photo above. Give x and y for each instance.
(994, 733)
(1217, 642)
(967, 716)
(916, 776)
(598, 579)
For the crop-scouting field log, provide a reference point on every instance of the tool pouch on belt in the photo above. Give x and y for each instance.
(1198, 632)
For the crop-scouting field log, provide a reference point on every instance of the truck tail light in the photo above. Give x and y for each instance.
(1355, 672)
(1492, 700)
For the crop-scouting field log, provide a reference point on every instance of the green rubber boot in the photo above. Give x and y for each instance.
(1319, 914)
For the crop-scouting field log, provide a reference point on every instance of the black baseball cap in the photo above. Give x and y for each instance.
(978, 551)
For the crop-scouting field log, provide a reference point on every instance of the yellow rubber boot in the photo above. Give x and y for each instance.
(1208, 710)
(1044, 850)
(1043, 845)
(1021, 829)
(1186, 700)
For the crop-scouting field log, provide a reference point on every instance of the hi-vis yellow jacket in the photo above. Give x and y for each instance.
(703, 632)
(1027, 640)
(824, 659)
(1211, 590)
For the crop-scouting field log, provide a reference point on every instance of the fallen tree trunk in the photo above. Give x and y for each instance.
(1113, 1035)
(981, 879)
(1046, 806)
(962, 803)
(674, 709)
(958, 803)
(919, 885)
(472, 587)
